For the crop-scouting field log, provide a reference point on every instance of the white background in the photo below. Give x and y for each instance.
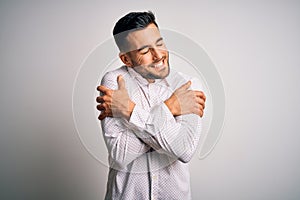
(254, 44)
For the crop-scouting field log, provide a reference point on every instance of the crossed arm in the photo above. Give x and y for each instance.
(172, 128)
(116, 103)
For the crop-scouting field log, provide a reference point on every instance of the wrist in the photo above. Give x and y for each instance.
(131, 106)
(170, 104)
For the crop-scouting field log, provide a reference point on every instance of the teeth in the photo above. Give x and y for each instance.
(160, 64)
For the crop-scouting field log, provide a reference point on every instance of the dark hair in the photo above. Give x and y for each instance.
(130, 22)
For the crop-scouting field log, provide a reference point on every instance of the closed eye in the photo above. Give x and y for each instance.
(160, 42)
(144, 50)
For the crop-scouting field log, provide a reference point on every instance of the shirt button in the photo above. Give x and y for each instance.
(154, 177)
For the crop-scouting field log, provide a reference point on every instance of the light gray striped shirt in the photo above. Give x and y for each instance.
(149, 154)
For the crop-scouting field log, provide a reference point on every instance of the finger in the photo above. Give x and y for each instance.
(201, 113)
(103, 89)
(104, 99)
(200, 94)
(105, 113)
(185, 86)
(102, 116)
(100, 99)
(121, 82)
(203, 105)
(100, 107)
(204, 97)
(200, 101)
(104, 107)
(199, 109)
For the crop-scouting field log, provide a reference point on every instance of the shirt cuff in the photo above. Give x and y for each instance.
(152, 121)
(139, 117)
(160, 115)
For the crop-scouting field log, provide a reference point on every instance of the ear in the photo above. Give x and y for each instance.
(125, 59)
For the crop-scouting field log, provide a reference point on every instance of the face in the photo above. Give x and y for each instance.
(148, 54)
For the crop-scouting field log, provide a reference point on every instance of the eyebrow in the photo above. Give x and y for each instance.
(148, 46)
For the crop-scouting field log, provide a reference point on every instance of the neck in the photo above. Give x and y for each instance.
(150, 80)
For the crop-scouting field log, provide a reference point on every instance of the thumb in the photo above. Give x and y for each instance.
(185, 86)
(121, 82)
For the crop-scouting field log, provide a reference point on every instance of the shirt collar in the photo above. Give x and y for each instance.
(144, 82)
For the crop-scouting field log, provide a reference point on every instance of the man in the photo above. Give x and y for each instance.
(151, 119)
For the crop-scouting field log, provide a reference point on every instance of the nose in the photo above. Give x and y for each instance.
(156, 53)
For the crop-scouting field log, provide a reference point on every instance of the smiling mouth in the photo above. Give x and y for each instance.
(159, 65)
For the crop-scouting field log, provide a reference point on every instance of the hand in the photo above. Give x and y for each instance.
(184, 101)
(115, 103)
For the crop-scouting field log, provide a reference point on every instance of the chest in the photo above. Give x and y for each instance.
(149, 95)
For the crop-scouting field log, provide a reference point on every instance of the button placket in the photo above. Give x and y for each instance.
(154, 180)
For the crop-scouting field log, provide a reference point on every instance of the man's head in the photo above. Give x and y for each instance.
(141, 45)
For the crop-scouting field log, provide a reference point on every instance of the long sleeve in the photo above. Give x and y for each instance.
(178, 137)
(122, 144)
(147, 153)
(175, 136)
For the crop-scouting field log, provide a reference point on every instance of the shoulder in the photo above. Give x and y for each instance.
(112, 75)
(110, 78)
(177, 79)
